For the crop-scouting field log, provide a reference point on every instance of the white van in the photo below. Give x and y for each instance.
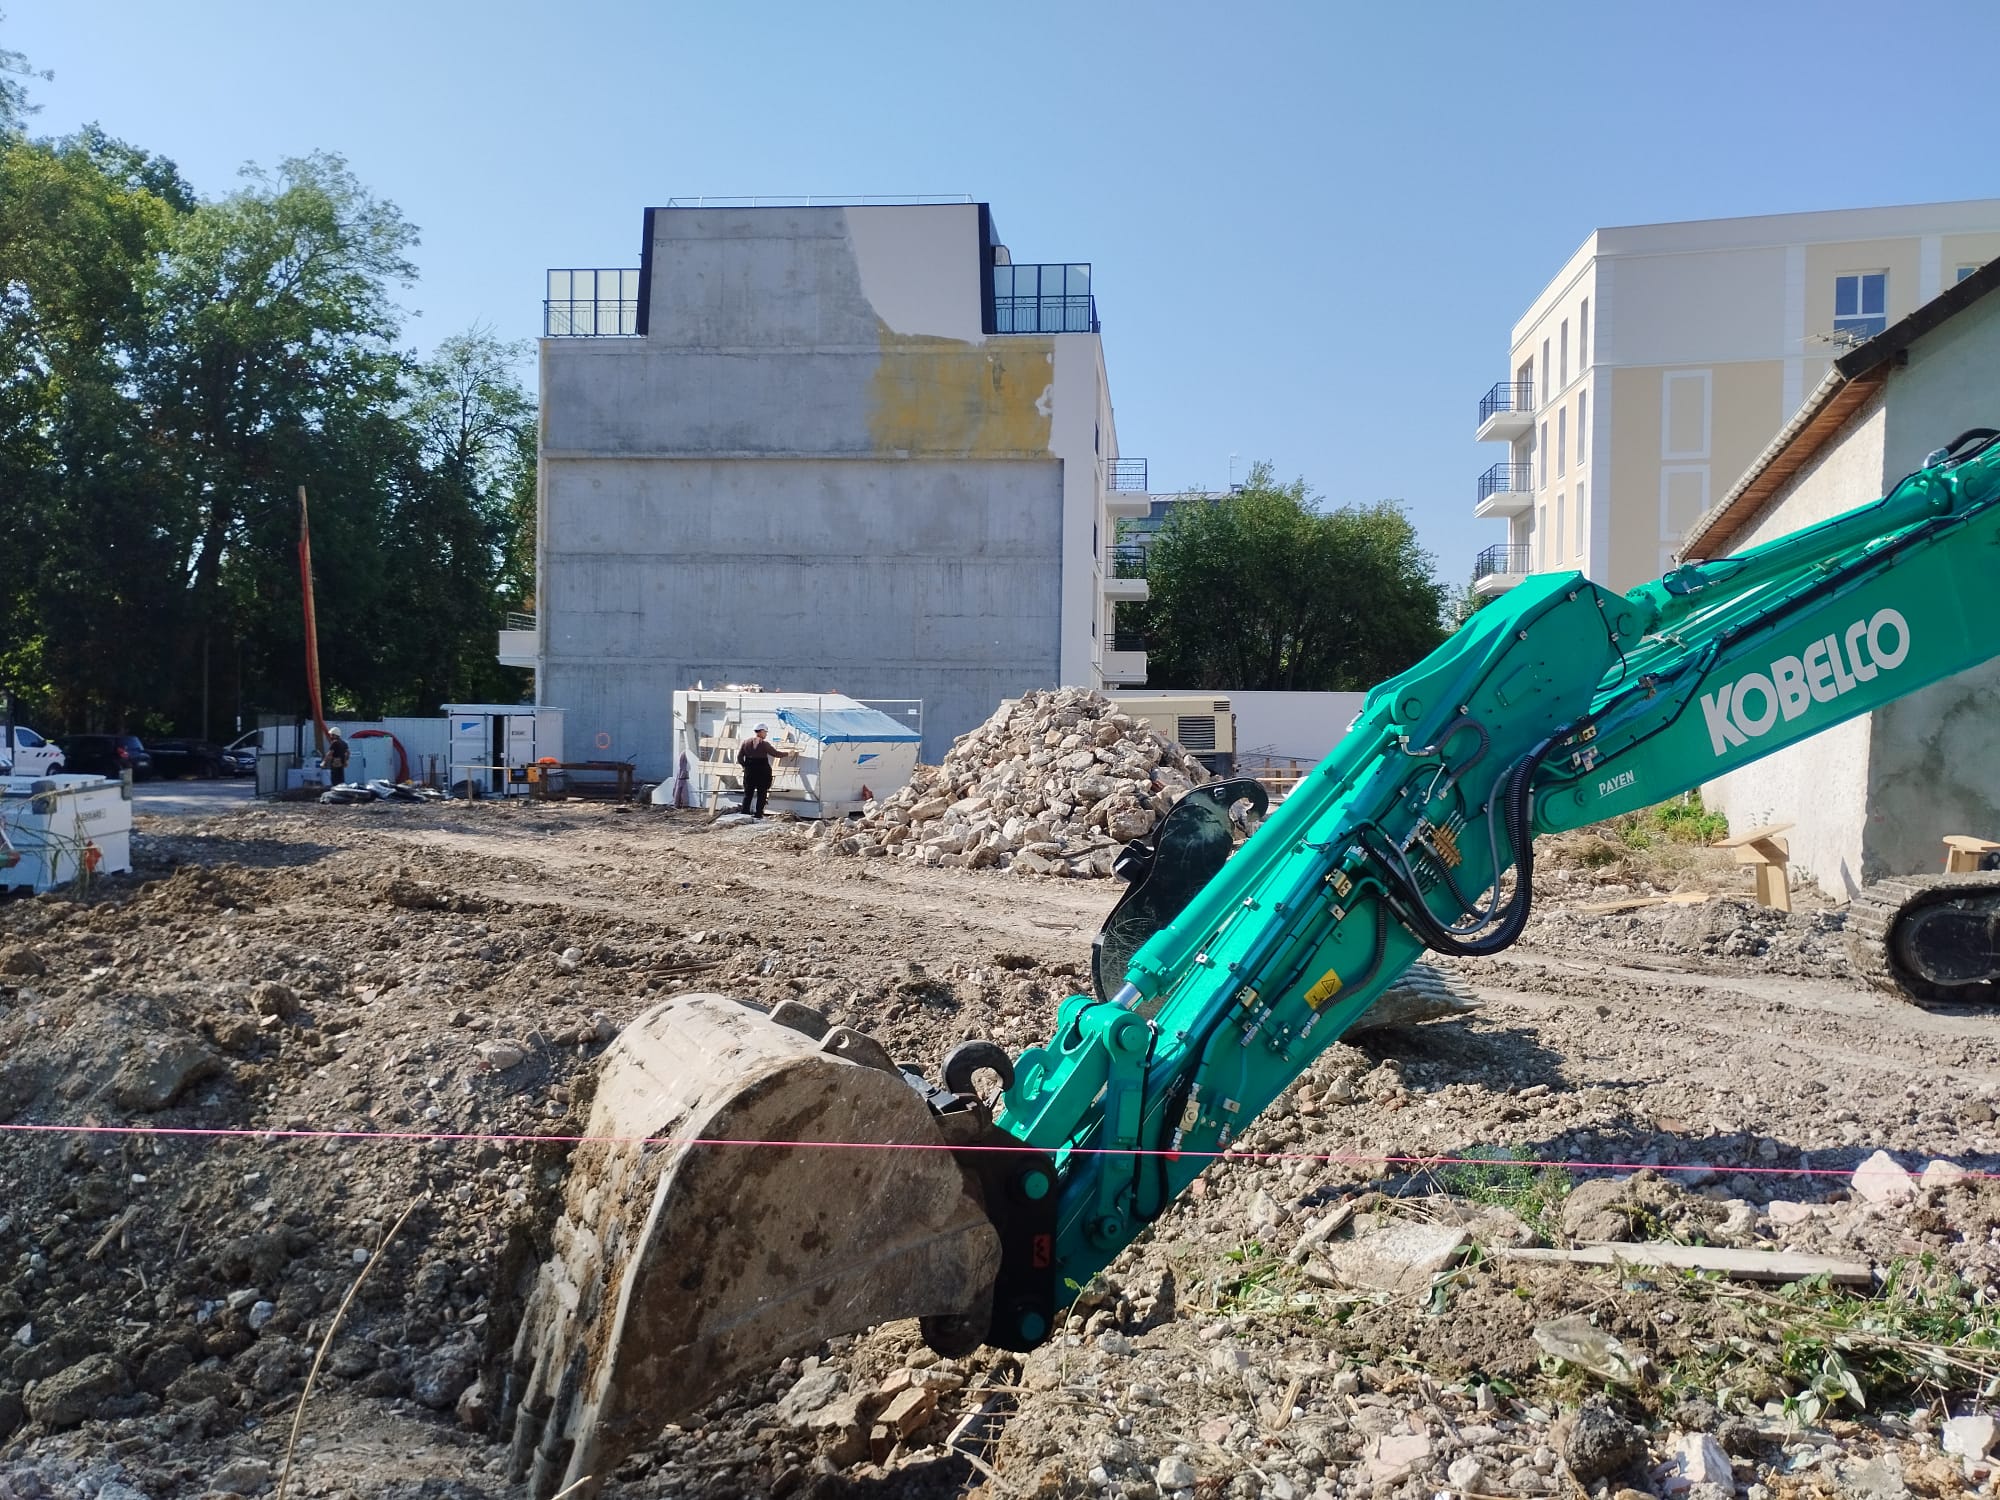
(30, 755)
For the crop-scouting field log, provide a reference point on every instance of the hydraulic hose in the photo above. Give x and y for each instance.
(1517, 813)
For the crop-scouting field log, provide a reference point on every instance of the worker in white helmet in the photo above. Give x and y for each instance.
(755, 756)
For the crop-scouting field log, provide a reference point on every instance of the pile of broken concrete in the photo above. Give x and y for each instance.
(1055, 783)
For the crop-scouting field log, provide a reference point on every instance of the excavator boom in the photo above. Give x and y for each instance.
(682, 1263)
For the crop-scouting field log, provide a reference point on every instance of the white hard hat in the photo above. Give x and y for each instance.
(763, 729)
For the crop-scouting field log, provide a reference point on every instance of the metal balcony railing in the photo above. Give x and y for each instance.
(592, 304)
(1507, 395)
(1505, 558)
(1126, 474)
(1125, 562)
(1127, 640)
(1052, 298)
(1505, 479)
(515, 620)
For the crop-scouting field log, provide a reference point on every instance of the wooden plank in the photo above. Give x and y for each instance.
(1751, 1265)
(1634, 903)
(1970, 844)
(1751, 836)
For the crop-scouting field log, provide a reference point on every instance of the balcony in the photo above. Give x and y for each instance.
(1125, 573)
(1507, 411)
(1505, 490)
(518, 638)
(1043, 299)
(1124, 662)
(591, 304)
(1499, 568)
(1126, 497)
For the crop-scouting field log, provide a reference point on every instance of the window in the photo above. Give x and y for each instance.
(26, 738)
(1538, 536)
(1578, 537)
(1562, 378)
(1544, 391)
(1542, 458)
(1562, 450)
(1582, 423)
(1963, 272)
(1861, 303)
(1560, 554)
(1583, 335)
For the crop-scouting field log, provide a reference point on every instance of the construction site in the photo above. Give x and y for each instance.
(880, 1019)
(296, 1100)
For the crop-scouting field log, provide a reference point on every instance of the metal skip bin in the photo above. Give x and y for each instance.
(58, 829)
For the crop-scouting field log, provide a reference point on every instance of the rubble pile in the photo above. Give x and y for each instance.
(1055, 783)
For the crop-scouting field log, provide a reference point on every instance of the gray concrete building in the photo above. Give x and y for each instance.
(1876, 795)
(849, 448)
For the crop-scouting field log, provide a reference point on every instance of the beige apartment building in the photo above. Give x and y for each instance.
(1662, 358)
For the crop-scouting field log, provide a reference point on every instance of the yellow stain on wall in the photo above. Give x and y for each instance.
(938, 397)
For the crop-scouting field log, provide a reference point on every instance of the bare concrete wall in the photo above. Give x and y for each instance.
(1934, 757)
(816, 474)
(1876, 795)
(897, 579)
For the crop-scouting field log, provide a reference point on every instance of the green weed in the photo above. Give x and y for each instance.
(1491, 1174)
(1681, 821)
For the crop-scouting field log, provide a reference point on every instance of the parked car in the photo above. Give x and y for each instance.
(107, 755)
(29, 755)
(239, 756)
(177, 757)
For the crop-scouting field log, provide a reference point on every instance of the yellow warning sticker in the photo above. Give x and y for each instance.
(1323, 991)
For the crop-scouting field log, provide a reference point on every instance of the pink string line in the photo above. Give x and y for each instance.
(663, 1141)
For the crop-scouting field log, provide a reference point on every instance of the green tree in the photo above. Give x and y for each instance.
(83, 225)
(450, 538)
(1263, 589)
(273, 366)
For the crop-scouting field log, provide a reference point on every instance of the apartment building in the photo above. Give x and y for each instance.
(849, 447)
(1662, 358)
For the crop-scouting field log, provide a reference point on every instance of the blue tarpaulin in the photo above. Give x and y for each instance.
(848, 726)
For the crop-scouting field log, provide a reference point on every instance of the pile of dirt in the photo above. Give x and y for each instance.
(1053, 784)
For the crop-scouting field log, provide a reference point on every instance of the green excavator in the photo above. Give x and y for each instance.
(757, 1181)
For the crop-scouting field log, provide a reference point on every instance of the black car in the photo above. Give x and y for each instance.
(174, 758)
(106, 755)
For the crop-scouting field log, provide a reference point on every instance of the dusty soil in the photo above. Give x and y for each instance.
(455, 970)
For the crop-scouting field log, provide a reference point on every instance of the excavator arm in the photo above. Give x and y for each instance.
(1222, 974)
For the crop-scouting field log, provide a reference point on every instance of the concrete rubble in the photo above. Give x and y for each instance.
(1055, 783)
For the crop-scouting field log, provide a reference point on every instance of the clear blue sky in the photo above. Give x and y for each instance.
(1312, 224)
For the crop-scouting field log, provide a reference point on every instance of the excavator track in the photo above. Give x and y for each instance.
(1932, 939)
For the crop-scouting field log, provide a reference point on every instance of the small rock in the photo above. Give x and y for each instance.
(1601, 1442)
(269, 998)
(501, 1055)
(1970, 1437)
(1174, 1473)
(73, 1394)
(813, 1390)
(154, 1078)
(1394, 1455)
(1785, 1213)
(1699, 1459)
(242, 1476)
(441, 1376)
(1939, 1174)
(1229, 1359)
(1466, 1473)
(23, 961)
(1880, 1180)
(472, 1408)
(261, 1312)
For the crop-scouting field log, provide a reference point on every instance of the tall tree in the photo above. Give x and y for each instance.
(273, 362)
(1263, 589)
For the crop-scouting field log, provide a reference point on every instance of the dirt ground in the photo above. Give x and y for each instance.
(455, 970)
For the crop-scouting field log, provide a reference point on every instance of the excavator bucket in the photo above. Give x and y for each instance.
(754, 1183)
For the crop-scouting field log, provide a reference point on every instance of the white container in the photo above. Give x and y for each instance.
(55, 828)
(844, 751)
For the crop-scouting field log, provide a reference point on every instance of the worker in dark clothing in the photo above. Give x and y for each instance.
(335, 759)
(755, 755)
